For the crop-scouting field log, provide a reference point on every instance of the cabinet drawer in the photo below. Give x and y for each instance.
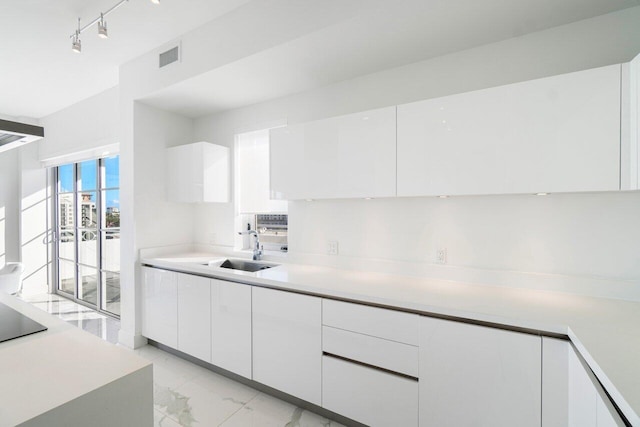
(378, 322)
(367, 395)
(391, 355)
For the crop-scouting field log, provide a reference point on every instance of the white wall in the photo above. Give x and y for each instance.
(9, 206)
(586, 235)
(36, 207)
(158, 222)
(147, 218)
(88, 124)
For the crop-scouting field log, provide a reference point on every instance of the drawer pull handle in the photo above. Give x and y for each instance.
(377, 368)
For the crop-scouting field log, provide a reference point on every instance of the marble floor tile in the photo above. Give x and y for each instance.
(85, 318)
(163, 420)
(267, 411)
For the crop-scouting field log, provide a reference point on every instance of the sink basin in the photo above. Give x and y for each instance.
(250, 266)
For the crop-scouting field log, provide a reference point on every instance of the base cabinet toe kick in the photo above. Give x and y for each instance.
(375, 366)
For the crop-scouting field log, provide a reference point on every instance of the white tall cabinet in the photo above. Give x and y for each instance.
(556, 134)
(231, 326)
(287, 342)
(160, 309)
(478, 376)
(341, 157)
(194, 316)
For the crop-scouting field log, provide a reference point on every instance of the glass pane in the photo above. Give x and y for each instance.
(111, 250)
(66, 244)
(87, 214)
(65, 210)
(66, 276)
(111, 172)
(88, 289)
(111, 200)
(88, 246)
(65, 178)
(111, 292)
(87, 172)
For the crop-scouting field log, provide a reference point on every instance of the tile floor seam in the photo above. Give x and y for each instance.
(239, 409)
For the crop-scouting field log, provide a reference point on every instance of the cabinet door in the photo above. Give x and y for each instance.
(370, 396)
(555, 382)
(478, 376)
(342, 157)
(589, 404)
(160, 306)
(194, 316)
(582, 394)
(557, 134)
(184, 173)
(198, 172)
(231, 326)
(287, 337)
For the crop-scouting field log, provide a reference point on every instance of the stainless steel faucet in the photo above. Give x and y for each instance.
(257, 252)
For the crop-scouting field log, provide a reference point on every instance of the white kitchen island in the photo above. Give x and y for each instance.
(67, 377)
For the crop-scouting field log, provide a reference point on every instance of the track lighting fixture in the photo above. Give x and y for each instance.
(102, 28)
(76, 44)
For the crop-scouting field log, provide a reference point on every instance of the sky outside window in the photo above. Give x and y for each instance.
(88, 174)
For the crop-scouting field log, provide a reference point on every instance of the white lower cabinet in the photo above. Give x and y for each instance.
(555, 382)
(160, 306)
(589, 406)
(368, 395)
(478, 376)
(194, 316)
(231, 326)
(287, 336)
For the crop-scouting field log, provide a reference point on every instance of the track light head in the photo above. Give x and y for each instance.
(76, 43)
(102, 28)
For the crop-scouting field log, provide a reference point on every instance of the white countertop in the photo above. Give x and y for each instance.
(605, 331)
(45, 370)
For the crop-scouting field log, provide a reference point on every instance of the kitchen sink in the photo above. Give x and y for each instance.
(250, 266)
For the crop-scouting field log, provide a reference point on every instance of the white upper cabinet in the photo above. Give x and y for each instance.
(198, 173)
(557, 134)
(350, 156)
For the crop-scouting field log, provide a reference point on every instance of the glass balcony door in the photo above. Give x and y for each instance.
(88, 233)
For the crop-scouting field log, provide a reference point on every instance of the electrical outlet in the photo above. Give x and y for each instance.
(332, 247)
(441, 256)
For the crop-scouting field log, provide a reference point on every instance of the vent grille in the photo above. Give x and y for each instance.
(7, 138)
(169, 57)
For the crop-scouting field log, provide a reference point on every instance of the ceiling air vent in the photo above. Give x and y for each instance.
(170, 56)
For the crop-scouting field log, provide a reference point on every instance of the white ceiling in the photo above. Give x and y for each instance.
(39, 74)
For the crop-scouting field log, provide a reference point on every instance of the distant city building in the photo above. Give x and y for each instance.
(66, 211)
(88, 213)
(112, 210)
(88, 210)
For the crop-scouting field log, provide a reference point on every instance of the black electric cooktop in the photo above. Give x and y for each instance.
(16, 325)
